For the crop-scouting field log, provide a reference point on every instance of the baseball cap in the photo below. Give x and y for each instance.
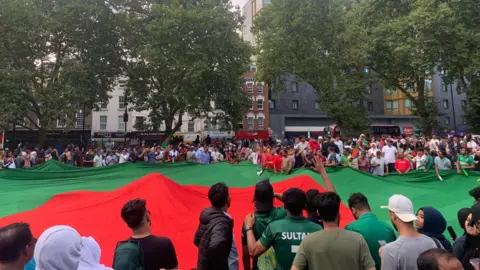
(402, 207)
(263, 196)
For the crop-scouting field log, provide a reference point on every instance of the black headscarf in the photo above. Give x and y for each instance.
(434, 226)
(462, 216)
(472, 243)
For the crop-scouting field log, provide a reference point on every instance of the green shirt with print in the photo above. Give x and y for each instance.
(465, 161)
(373, 230)
(285, 236)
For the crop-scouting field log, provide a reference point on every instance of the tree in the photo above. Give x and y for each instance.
(185, 56)
(57, 56)
(316, 42)
(406, 48)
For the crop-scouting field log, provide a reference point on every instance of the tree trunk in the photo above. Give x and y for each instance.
(42, 135)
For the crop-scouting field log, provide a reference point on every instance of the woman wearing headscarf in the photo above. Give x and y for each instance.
(90, 257)
(460, 241)
(431, 222)
(471, 246)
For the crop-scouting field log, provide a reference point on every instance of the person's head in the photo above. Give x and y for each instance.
(379, 154)
(135, 214)
(438, 259)
(328, 204)
(17, 244)
(59, 247)
(401, 211)
(331, 150)
(420, 152)
(442, 154)
(295, 201)
(311, 201)
(263, 196)
(363, 154)
(462, 216)
(219, 196)
(475, 193)
(358, 204)
(389, 142)
(373, 146)
(400, 155)
(430, 220)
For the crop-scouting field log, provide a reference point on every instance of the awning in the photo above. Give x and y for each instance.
(304, 129)
(252, 135)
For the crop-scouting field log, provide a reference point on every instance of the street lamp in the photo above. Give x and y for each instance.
(125, 120)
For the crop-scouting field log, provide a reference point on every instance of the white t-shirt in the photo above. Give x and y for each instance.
(173, 153)
(472, 145)
(124, 158)
(389, 153)
(380, 170)
(434, 144)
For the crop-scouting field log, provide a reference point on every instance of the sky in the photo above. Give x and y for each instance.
(240, 3)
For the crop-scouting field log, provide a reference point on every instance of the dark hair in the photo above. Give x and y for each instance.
(295, 201)
(218, 195)
(328, 204)
(475, 193)
(311, 203)
(358, 201)
(428, 260)
(133, 212)
(13, 240)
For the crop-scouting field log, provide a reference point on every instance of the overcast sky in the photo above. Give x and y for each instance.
(240, 3)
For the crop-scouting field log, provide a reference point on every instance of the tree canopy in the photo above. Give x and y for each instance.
(185, 56)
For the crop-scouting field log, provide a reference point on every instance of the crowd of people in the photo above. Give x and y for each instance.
(304, 233)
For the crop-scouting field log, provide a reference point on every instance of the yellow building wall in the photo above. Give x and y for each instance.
(400, 97)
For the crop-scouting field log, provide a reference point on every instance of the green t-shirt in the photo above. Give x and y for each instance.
(373, 230)
(332, 250)
(285, 236)
(344, 160)
(465, 162)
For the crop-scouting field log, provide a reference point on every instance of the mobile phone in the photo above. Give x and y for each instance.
(382, 243)
(452, 233)
(475, 261)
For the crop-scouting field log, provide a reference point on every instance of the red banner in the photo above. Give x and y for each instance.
(409, 131)
(252, 135)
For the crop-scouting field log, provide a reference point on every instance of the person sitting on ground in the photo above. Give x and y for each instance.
(333, 248)
(368, 225)
(431, 222)
(158, 252)
(465, 161)
(282, 234)
(438, 259)
(214, 236)
(59, 247)
(402, 165)
(402, 254)
(17, 246)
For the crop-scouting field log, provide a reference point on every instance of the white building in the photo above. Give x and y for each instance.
(108, 122)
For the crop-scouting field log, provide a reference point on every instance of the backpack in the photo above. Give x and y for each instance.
(128, 256)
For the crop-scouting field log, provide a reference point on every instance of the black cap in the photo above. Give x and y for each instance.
(263, 196)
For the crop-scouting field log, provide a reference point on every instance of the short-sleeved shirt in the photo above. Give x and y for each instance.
(373, 230)
(158, 252)
(380, 170)
(389, 153)
(285, 236)
(402, 254)
(443, 163)
(334, 250)
(465, 162)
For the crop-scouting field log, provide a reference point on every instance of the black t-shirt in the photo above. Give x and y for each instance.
(89, 160)
(158, 252)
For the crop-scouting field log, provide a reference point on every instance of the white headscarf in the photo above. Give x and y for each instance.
(90, 258)
(58, 248)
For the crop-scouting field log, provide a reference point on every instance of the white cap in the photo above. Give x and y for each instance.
(402, 207)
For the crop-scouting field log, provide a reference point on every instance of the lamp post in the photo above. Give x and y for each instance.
(125, 120)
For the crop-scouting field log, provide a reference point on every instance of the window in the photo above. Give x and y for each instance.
(464, 103)
(445, 103)
(253, 68)
(121, 124)
(370, 106)
(272, 103)
(191, 126)
(390, 91)
(121, 103)
(395, 105)
(294, 87)
(103, 105)
(446, 120)
(260, 122)
(388, 105)
(250, 87)
(369, 90)
(259, 88)
(139, 120)
(444, 87)
(295, 104)
(103, 122)
(428, 85)
(61, 123)
(251, 105)
(250, 122)
(317, 105)
(259, 104)
(407, 103)
(121, 83)
(79, 119)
